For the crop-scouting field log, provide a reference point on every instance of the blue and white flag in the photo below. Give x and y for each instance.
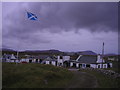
(31, 16)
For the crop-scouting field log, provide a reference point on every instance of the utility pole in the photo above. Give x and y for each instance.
(102, 54)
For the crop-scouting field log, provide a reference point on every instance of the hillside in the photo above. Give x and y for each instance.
(34, 76)
(33, 52)
(45, 52)
(8, 51)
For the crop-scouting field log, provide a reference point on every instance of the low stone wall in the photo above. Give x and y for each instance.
(109, 73)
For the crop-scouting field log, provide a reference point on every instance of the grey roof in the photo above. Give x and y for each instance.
(87, 53)
(87, 59)
(38, 57)
(8, 56)
(42, 56)
(72, 61)
(50, 58)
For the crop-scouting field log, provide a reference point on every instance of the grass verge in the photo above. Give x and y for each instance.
(104, 81)
(34, 76)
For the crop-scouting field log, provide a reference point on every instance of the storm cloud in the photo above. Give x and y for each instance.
(54, 18)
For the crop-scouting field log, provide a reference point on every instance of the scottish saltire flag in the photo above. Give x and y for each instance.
(31, 16)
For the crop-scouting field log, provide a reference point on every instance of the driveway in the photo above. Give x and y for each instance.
(82, 80)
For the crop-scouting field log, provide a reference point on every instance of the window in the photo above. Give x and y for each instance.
(80, 65)
(50, 62)
(88, 65)
(98, 66)
(30, 61)
(83, 65)
(105, 66)
(60, 57)
(36, 60)
(74, 64)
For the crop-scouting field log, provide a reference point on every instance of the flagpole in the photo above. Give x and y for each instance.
(102, 54)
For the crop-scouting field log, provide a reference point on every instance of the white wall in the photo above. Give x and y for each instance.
(47, 62)
(112, 59)
(24, 60)
(34, 60)
(66, 58)
(104, 65)
(96, 66)
(93, 65)
(38, 60)
(11, 60)
(58, 57)
(53, 63)
(77, 65)
(27, 60)
(71, 64)
(17, 61)
(59, 60)
(110, 64)
(99, 65)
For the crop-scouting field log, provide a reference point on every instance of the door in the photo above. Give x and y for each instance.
(74, 64)
(30, 61)
(98, 66)
(80, 65)
(36, 60)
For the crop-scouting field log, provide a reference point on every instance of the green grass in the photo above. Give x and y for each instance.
(104, 81)
(46, 76)
(34, 76)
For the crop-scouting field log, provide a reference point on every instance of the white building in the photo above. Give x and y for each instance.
(59, 61)
(94, 61)
(62, 59)
(9, 58)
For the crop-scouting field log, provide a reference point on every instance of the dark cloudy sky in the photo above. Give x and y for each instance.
(64, 26)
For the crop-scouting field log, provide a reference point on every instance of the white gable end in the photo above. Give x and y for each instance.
(78, 57)
(13, 57)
